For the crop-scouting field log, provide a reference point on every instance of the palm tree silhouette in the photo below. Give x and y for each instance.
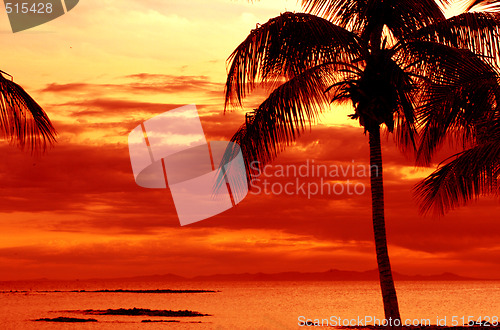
(395, 61)
(22, 121)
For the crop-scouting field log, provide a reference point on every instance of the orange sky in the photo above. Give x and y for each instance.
(76, 212)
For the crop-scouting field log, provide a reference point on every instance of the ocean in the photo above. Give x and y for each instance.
(243, 305)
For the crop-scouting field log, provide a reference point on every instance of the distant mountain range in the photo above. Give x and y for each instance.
(330, 275)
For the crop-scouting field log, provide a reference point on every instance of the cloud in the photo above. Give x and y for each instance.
(96, 181)
(64, 88)
(143, 83)
(188, 252)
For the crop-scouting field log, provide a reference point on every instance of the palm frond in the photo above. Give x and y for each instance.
(22, 120)
(402, 17)
(453, 110)
(477, 32)
(284, 116)
(286, 46)
(487, 128)
(408, 16)
(405, 132)
(456, 88)
(348, 14)
(472, 173)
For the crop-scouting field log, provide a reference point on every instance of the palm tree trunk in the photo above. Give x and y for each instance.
(391, 308)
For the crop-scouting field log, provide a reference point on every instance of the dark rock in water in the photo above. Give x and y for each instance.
(160, 321)
(141, 312)
(154, 291)
(65, 319)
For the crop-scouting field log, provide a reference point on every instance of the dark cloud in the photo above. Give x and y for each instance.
(144, 83)
(63, 88)
(71, 178)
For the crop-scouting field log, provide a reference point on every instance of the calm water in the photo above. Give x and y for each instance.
(243, 305)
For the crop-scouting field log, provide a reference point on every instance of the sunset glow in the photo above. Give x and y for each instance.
(76, 212)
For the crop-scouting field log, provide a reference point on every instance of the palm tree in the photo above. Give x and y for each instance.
(22, 121)
(393, 60)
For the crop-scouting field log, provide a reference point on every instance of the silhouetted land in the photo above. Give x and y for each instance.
(115, 291)
(152, 291)
(329, 275)
(166, 321)
(140, 312)
(65, 319)
(136, 291)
